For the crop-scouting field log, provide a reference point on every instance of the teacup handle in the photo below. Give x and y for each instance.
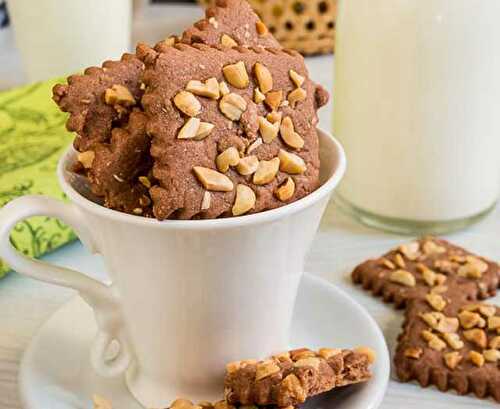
(102, 298)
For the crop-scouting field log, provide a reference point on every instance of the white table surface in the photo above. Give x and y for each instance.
(25, 304)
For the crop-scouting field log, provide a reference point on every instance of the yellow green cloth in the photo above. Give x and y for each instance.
(32, 138)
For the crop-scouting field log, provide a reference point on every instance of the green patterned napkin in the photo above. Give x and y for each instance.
(32, 138)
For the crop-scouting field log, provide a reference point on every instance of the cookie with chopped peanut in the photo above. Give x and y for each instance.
(451, 343)
(410, 270)
(230, 23)
(288, 379)
(230, 135)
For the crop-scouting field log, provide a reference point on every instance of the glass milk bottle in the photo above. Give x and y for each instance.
(417, 109)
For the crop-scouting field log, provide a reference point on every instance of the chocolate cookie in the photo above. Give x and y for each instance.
(451, 343)
(230, 23)
(410, 270)
(292, 377)
(115, 153)
(234, 130)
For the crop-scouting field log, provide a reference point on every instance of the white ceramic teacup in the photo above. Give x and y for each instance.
(187, 296)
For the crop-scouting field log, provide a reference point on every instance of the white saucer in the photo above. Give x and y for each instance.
(55, 371)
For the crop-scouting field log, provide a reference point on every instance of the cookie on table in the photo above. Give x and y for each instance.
(451, 343)
(234, 129)
(290, 378)
(408, 271)
(230, 23)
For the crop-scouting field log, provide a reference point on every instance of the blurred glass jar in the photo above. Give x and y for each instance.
(417, 91)
(59, 37)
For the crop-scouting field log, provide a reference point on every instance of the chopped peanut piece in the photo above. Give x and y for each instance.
(247, 165)
(228, 41)
(286, 190)
(327, 353)
(403, 277)
(230, 157)
(436, 301)
(208, 89)
(204, 130)
(288, 134)
(493, 322)
(119, 95)
(476, 358)
(491, 355)
(410, 250)
(86, 158)
(261, 28)
(368, 352)
(265, 369)
(190, 129)
(413, 353)
(293, 386)
(236, 75)
(297, 79)
(291, 163)
(258, 96)
(268, 130)
(264, 77)
(266, 172)
(273, 99)
(213, 180)
(471, 319)
(296, 96)
(453, 340)
(452, 359)
(187, 103)
(245, 200)
(476, 336)
(233, 106)
(206, 201)
(312, 362)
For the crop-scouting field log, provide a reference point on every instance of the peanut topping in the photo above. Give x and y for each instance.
(266, 171)
(433, 340)
(86, 158)
(190, 129)
(476, 336)
(258, 96)
(291, 163)
(265, 369)
(264, 77)
(273, 99)
(268, 130)
(368, 352)
(327, 353)
(232, 106)
(436, 301)
(187, 103)
(228, 41)
(439, 322)
(431, 248)
(223, 88)
(119, 95)
(247, 165)
(245, 200)
(207, 200)
(233, 366)
(236, 75)
(296, 96)
(402, 277)
(288, 134)
(471, 319)
(261, 28)
(292, 385)
(312, 362)
(169, 41)
(399, 260)
(474, 268)
(145, 181)
(208, 89)
(286, 190)
(410, 250)
(213, 180)
(204, 130)
(493, 322)
(230, 157)
(495, 342)
(452, 359)
(476, 358)
(413, 353)
(297, 79)
(387, 263)
(429, 277)
(283, 356)
(453, 340)
(487, 310)
(491, 355)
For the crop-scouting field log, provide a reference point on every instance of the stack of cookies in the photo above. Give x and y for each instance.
(218, 122)
(450, 338)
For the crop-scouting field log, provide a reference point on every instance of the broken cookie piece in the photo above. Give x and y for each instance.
(456, 347)
(288, 379)
(410, 270)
